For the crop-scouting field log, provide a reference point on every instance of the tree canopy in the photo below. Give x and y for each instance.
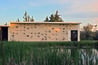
(27, 18)
(87, 34)
(54, 18)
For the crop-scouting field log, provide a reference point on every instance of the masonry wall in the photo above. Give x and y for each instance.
(41, 32)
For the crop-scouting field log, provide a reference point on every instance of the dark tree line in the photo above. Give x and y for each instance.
(26, 18)
(88, 33)
(54, 18)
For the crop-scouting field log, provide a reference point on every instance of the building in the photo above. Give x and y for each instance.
(43, 31)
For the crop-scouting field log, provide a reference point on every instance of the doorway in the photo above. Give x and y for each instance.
(4, 34)
(74, 35)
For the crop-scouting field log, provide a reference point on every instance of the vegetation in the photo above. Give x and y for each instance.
(88, 34)
(47, 53)
(27, 18)
(54, 18)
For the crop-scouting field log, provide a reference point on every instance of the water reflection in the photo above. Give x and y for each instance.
(89, 56)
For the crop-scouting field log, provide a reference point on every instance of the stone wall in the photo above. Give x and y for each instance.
(41, 32)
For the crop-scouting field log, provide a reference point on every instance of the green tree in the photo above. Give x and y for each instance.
(25, 17)
(32, 19)
(28, 18)
(54, 18)
(46, 20)
(18, 20)
(88, 31)
(88, 28)
(57, 17)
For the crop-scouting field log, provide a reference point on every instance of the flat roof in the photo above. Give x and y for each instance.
(44, 23)
(4, 26)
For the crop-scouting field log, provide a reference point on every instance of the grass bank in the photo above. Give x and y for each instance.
(84, 43)
(48, 53)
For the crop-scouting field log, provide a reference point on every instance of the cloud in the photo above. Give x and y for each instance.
(86, 6)
(81, 9)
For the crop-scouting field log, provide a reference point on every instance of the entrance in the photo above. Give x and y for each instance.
(74, 35)
(4, 33)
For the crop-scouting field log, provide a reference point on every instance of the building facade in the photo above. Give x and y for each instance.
(43, 31)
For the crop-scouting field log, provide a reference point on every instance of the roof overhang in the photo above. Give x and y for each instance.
(75, 23)
(4, 26)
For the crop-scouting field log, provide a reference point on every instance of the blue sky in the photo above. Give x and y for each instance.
(84, 11)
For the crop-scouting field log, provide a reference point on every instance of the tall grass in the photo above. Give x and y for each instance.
(44, 53)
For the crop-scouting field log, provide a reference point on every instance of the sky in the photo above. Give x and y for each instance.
(84, 11)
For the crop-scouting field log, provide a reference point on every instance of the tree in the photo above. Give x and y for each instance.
(88, 32)
(18, 20)
(46, 20)
(25, 17)
(28, 18)
(88, 28)
(5, 23)
(32, 19)
(57, 17)
(54, 18)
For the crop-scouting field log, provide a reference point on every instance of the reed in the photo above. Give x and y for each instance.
(44, 53)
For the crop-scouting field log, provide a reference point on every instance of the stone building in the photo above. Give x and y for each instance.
(43, 31)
